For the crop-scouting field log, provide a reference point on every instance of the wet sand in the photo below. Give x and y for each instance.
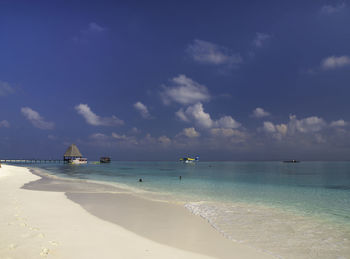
(101, 221)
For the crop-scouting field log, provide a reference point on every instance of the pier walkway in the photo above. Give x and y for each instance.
(31, 161)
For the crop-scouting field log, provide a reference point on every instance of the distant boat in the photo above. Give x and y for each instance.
(105, 159)
(291, 161)
(78, 161)
(188, 160)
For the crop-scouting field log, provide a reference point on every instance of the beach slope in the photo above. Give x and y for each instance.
(37, 223)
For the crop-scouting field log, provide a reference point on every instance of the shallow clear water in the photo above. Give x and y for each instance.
(289, 210)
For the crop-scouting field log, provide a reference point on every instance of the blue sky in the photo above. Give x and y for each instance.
(149, 80)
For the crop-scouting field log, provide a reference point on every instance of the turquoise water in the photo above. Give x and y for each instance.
(289, 210)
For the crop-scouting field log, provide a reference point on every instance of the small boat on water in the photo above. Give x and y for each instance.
(78, 161)
(105, 159)
(291, 161)
(188, 160)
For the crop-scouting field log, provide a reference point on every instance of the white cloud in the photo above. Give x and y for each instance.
(227, 132)
(164, 140)
(4, 123)
(310, 124)
(205, 52)
(227, 122)
(99, 136)
(197, 113)
(118, 136)
(189, 132)
(269, 127)
(181, 115)
(282, 129)
(260, 39)
(139, 106)
(334, 62)
(135, 130)
(5, 88)
(95, 120)
(338, 123)
(203, 119)
(277, 131)
(35, 118)
(184, 91)
(125, 138)
(260, 113)
(331, 9)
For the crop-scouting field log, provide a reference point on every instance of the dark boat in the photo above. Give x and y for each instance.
(291, 161)
(105, 159)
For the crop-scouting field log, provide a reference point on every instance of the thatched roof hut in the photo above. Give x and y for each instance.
(72, 152)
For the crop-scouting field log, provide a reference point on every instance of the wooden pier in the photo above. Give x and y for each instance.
(31, 161)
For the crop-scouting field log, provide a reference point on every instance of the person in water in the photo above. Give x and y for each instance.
(140, 180)
(180, 177)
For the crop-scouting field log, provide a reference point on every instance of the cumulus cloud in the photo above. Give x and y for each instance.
(95, 120)
(338, 123)
(127, 139)
(260, 113)
(196, 112)
(205, 52)
(184, 90)
(203, 119)
(269, 127)
(260, 39)
(310, 124)
(164, 140)
(139, 106)
(332, 9)
(228, 133)
(180, 114)
(227, 122)
(4, 123)
(189, 132)
(5, 88)
(334, 62)
(35, 118)
(277, 131)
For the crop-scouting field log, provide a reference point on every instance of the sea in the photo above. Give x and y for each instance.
(289, 210)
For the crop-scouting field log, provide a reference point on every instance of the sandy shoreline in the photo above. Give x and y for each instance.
(98, 221)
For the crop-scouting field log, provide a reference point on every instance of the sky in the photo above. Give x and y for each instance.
(157, 80)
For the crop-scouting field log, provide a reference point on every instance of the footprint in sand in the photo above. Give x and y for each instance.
(44, 252)
(54, 243)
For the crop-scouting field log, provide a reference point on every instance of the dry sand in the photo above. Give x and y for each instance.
(102, 222)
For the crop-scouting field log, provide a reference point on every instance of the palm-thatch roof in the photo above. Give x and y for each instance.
(73, 151)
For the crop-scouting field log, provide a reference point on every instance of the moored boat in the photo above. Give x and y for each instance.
(78, 161)
(105, 159)
(291, 161)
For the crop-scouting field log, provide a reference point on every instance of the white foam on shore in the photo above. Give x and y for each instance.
(280, 233)
(36, 224)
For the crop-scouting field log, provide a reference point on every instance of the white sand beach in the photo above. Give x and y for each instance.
(43, 223)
